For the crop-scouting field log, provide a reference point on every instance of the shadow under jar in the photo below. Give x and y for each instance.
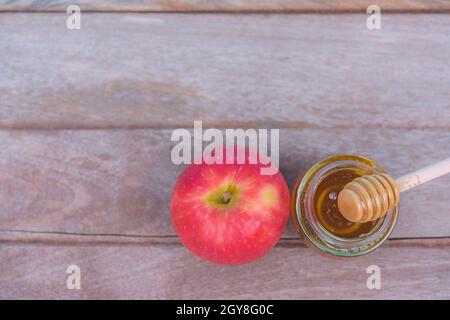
(317, 217)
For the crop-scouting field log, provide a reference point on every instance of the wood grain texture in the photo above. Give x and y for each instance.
(95, 192)
(120, 181)
(170, 272)
(228, 5)
(164, 71)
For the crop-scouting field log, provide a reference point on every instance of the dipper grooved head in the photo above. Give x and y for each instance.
(368, 198)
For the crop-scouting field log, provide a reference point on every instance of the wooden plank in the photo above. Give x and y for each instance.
(119, 181)
(229, 5)
(170, 272)
(158, 70)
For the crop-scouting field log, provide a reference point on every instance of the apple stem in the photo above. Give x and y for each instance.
(226, 197)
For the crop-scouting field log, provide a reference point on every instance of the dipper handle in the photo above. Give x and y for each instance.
(370, 197)
(418, 177)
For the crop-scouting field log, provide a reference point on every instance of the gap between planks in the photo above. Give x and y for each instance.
(229, 6)
(291, 125)
(417, 11)
(66, 238)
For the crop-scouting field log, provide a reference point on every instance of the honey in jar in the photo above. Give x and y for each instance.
(326, 208)
(316, 215)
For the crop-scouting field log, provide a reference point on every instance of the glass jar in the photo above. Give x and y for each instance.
(314, 231)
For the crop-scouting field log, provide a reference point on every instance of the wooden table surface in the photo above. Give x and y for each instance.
(86, 119)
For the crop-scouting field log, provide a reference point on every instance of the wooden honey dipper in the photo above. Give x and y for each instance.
(370, 197)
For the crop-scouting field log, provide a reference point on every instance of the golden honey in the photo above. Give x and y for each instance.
(325, 199)
(316, 215)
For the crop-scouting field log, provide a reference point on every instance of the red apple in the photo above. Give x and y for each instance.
(229, 213)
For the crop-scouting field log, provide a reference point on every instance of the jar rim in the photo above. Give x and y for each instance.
(316, 234)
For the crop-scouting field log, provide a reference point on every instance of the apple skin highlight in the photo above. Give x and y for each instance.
(230, 213)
